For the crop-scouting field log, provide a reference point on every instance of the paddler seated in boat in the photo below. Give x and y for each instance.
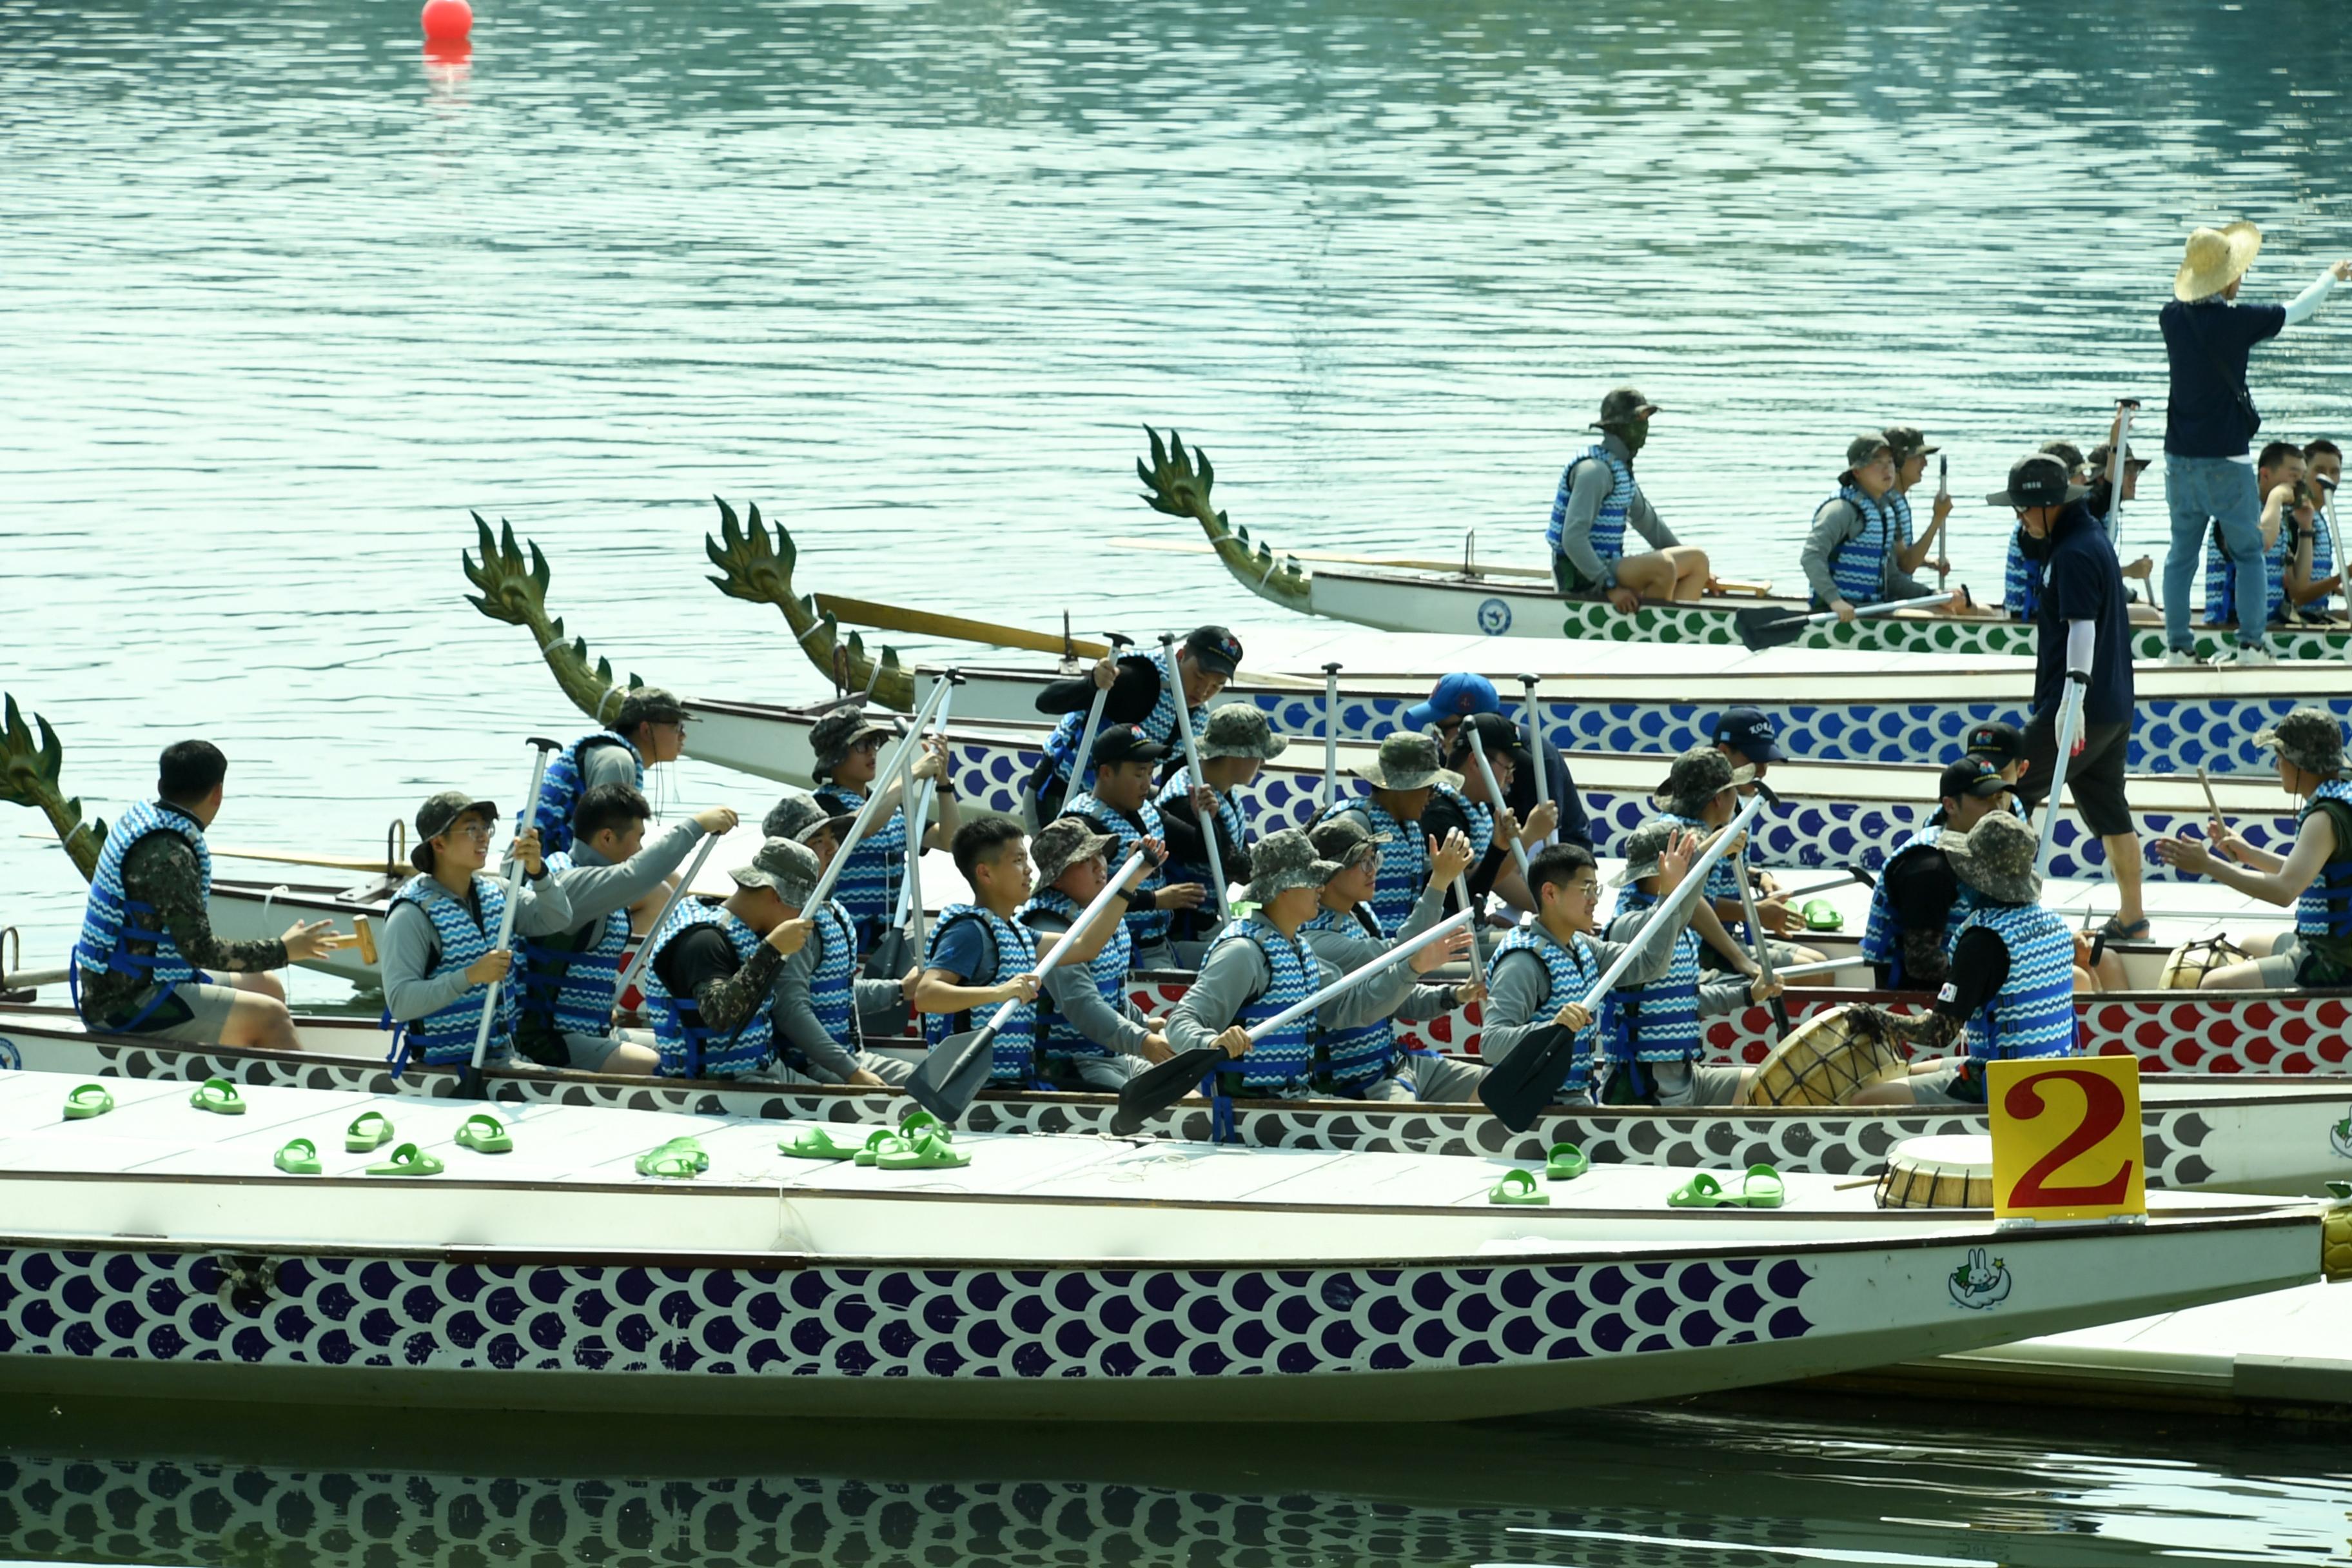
(143, 964)
(2012, 985)
(823, 1011)
(612, 878)
(1598, 501)
(1262, 962)
(1541, 971)
(2315, 876)
(1652, 1033)
(712, 976)
(1120, 805)
(846, 747)
(1911, 450)
(981, 956)
(2277, 472)
(2323, 464)
(1235, 742)
(1850, 556)
(1470, 812)
(648, 729)
(1916, 908)
(1090, 1036)
(2298, 551)
(1136, 692)
(1701, 793)
(1455, 697)
(1366, 1060)
(440, 952)
(2022, 581)
(1750, 740)
(1403, 776)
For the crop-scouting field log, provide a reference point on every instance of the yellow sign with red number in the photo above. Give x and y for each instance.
(2066, 1138)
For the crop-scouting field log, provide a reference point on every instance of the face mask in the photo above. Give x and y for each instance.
(1635, 433)
(2031, 548)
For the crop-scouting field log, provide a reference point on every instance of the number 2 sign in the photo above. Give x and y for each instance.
(2066, 1138)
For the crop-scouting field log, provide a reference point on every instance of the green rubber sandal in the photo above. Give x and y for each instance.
(673, 1163)
(1701, 1191)
(369, 1133)
(407, 1160)
(1565, 1162)
(1761, 1189)
(922, 1123)
(866, 1155)
(814, 1143)
(485, 1134)
(1822, 915)
(691, 1147)
(1518, 1187)
(922, 1153)
(87, 1101)
(298, 1158)
(218, 1096)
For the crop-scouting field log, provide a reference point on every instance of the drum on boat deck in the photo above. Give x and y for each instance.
(1828, 1059)
(1953, 1171)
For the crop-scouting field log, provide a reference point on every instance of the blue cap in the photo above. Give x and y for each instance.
(1457, 695)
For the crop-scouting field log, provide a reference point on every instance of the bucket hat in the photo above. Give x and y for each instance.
(1407, 761)
(2307, 738)
(800, 815)
(1238, 730)
(1065, 842)
(831, 737)
(1284, 860)
(789, 869)
(1643, 848)
(1996, 858)
(2214, 258)
(1698, 776)
(1344, 840)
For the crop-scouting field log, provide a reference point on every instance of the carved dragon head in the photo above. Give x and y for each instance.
(752, 567)
(1179, 483)
(515, 592)
(29, 773)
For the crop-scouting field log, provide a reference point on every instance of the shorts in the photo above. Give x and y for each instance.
(1957, 1082)
(589, 1053)
(1676, 1084)
(1571, 582)
(194, 1014)
(2094, 780)
(1092, 1075)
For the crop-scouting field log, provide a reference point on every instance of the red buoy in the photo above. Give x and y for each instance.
(447, 22)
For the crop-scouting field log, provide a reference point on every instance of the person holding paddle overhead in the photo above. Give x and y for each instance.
(1851, 553)
(1363, 1061)
(1235, 744)
(822, 1009)
(1403, 777)
(1120, 808)
(609, 874)
(649, 730)
(440, 953)
(712, 972)
(1598, 501)
(1089, 1035)
(2315, 876)
(1911, 450)
(848, 746)
(983, 956)
(1136, 690)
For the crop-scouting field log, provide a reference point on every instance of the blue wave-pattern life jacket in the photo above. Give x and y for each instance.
(2325, 908)
(1479, 818)
(1013, 1053)
(560, 791)
(1160, 724)
(2033, 1014)
(112, 919)
(2222, 578)
(1055, 1035)
(1229, 812)
(445, 1037)
(2021, 584)
(1608, 534)
(1573, 971)
(571, 988)
(1147, 928)
(1284, 1058)
(1898, 516)
(688, 1047)
(1349, 1059)
(1858, 567)
(868, 886)
(1882, 939)
(1658, 1022)
(1403, 869)
(2322, 561)
(832, 996)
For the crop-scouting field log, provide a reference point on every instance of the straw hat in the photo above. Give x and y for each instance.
(2216, 258)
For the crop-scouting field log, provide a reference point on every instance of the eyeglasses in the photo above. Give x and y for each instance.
(479, 832)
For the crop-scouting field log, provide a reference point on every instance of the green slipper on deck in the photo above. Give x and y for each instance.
(1822, 915)
(369, 1132)
(86, 1100)
(680, 1160)
(927, 1151)
(218, 1096)
(298, 1158)
(1760, 1188)
(485, 1134)
(874, 1141)
(814, 1143)
(1565, 1162)
(1518, 1187)
(407, 1160)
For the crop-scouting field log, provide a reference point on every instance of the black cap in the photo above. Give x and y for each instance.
(1748, 731)
(2038, 478)
(1125, 743)
(2006, 741)
(437, 814)
(1214, 648)
(1496, 735)
(1970, 776)
(1908, 441)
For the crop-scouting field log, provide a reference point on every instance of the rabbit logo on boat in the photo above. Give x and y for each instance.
(1979, 1284)
(1494, 618)
(2339, 1136)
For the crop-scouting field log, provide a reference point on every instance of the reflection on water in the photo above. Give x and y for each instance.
(1759, 1480)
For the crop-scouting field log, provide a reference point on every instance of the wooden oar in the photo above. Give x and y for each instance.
(1761, 628)
(2207, 785)
(926, 623)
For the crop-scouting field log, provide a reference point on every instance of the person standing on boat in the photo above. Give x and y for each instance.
(1851, 556)
(609, 874)
(1468, 810)
(712, 975)
(2083, 639)
(1653, 1035)
(1403, 777)
(1262, 962)
(649, 728)
(1541, 972)
(1457, 695)
(1598, 501)
(1137, 691)
(1911, 450)
(1090, 1036)
(141, 964)
(438, 956)
(2210, 421)
(2012, 981)
(2314, 876)
(1918, 906)
(822, 1010)
(1236, 742)
(848, 747)
(982, 956)
(1365, 1061)
(1120, 805)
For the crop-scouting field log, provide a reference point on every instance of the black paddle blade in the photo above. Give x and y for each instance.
(1154, 1090)
(1518, 1088)
(892, 956)
(950, 1078)
(1762, 628)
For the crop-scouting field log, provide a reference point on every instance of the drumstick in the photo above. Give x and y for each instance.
(2214, 805)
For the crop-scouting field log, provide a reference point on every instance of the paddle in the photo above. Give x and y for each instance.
(897, 947)
(862, 823)
(925, 623)
(1495, 797)
(1199, 780)
(2335, 540)
(541, 747)
(1517, 1088)
(1330, 734)
(1761, 628)
(1150, 1092)
(1082, 758)
(2070, 718)
(1536, 745)
(637, 965)
(1763, 947)
(958, 1067)
(1943, 493)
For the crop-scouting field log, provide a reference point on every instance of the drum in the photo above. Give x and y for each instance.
(1953, 1171)
(2186, 969)
(1828, 1059)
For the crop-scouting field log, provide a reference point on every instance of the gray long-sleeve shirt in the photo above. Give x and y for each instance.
(596, 887)
(1350, 945)
(1518, 985)
(1079, 1000)
(1718, 993)
(1592, 485)
(1234, 972)
(412, 947)
(1836, 521)
(881, 1005)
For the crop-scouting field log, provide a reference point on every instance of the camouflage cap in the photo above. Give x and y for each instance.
(648, 705)
(1698, 776)
(800, 816)
(1907, 441)
(1643, 848)
(1624, 403)
(2308, 738)
(1239, 729)
(1065, 842)
(1284, 860)
(1407, 761)
(1996, 858)
(789, 869)
(831, 737)
(1343, 838)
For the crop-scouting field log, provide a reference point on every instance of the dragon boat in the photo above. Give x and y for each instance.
(649, 1263)
(1521, 602)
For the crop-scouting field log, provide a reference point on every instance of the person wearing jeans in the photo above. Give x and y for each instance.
(2210, 421)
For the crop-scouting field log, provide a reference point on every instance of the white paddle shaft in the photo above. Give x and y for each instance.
(1393, 956)
(1495, 795)
(1199, 780)
(507, 914)
(863, 823)
(646, 948)
(1670, 915)
(1085, 917)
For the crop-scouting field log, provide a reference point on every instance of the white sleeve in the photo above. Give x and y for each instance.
(2080, 639)
(2305, 305)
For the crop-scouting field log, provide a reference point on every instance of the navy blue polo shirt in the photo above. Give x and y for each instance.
(2207, 343)
(2084, 583)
